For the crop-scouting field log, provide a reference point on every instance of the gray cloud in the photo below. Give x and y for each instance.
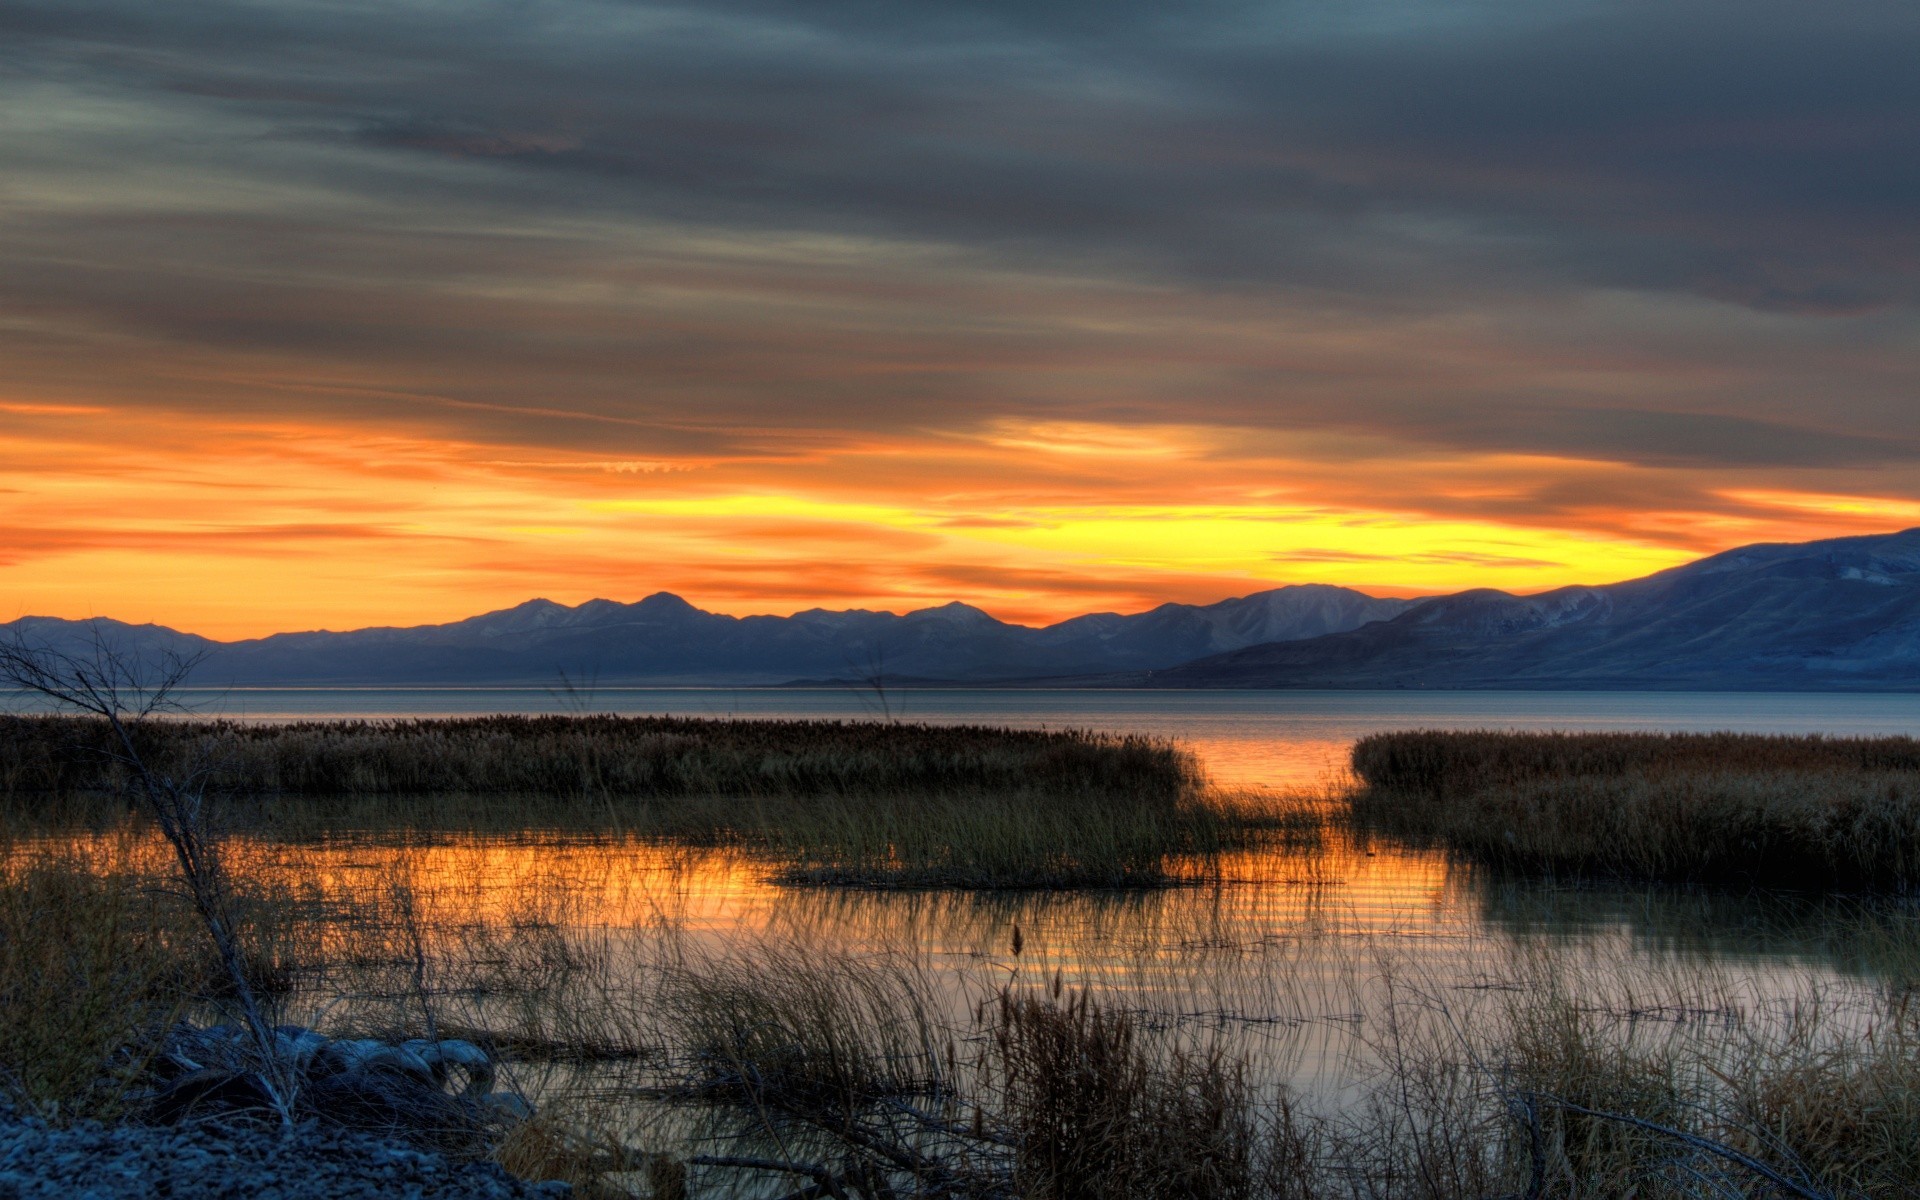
(604, 208)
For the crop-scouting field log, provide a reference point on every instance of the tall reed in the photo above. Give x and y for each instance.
(1810, 812)
(830, 802)
(601, 756)
(1095, 1109)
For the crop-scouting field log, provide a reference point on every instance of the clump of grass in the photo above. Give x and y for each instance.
(1553, 1091)
(92, 970)
(1815, 1102)
(801, 1027)
(1563, 1069)
(994, 839)
(1807, 812)
(100, 953)
(1093, 1110)
(1846, 1105)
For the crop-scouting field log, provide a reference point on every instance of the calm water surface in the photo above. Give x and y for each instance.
(1246, 738)
(1293, 954)
(1302, 961)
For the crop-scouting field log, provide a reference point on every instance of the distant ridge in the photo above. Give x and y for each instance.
(1835, 615)
(664, 639)
(1839, 615)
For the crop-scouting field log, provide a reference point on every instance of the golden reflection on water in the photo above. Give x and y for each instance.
(1246, 899)
(1299, 761)
(1289, 952)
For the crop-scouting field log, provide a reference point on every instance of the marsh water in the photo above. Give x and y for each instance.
(1292, 952)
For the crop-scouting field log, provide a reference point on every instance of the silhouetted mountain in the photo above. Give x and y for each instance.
(664, 639)
(1831, 615)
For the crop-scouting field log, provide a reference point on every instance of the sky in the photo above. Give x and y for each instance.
(325, 315)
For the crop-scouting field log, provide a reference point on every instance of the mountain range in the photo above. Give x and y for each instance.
(1837, 615)
(663, 639)
(1842, 614)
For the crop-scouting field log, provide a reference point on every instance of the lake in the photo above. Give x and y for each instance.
(1313, 963)
(1247, 738)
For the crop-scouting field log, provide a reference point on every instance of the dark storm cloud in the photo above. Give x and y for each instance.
(429, 197)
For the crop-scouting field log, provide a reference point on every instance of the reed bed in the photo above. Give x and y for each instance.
(1830, 814)
(596, 757)
(829, 802)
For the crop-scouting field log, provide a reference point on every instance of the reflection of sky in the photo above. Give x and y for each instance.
(327, 315)
(1245, 738)
(1292, 956)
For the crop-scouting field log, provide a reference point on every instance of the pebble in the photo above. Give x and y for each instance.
(89, 1161)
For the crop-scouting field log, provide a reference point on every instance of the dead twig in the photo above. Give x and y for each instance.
(829, 1183)
(126, 694)
(1719, 1149)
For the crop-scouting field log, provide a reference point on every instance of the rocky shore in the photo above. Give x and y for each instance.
(241, 1161)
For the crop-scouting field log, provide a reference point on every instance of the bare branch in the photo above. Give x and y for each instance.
(1688, 1139)
(124, 692)
(826, 1180)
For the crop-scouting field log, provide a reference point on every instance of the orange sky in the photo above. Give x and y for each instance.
(319, 316)
(237, 528)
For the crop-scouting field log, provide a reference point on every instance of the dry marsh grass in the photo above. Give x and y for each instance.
(1050, 1093)
(1839, 814)
(847, 1066)
(1094, 1109)
(598, 757)
(669, 1058)
(90, 972)
(98, 955)
(861, 803)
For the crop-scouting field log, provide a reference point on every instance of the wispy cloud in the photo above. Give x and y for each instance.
(1022, 297)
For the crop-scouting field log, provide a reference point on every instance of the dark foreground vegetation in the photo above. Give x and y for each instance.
(833, 802)
(812, 1069)
(1840, 814)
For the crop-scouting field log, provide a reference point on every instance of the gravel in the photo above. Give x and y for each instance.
(312, 1162)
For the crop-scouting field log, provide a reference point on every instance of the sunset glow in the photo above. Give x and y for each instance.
(237, 529)
(824, 310)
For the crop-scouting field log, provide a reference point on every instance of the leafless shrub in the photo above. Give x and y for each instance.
(125, 695)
